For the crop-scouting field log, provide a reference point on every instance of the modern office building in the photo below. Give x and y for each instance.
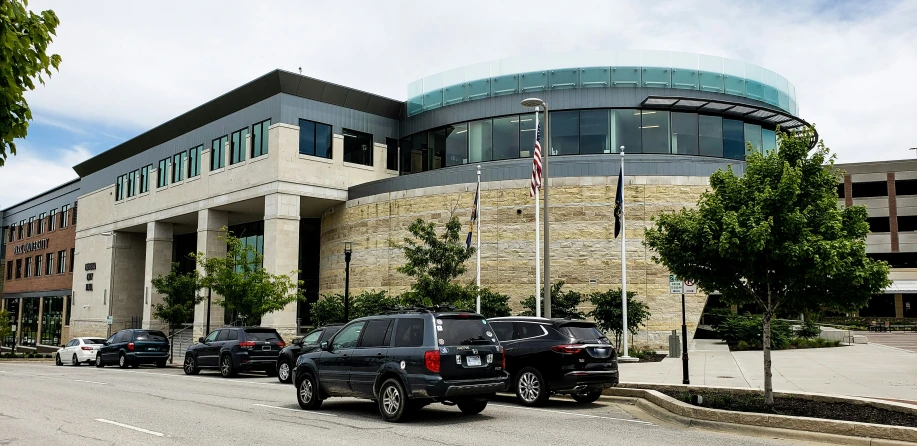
(298, 166)
(38, 263)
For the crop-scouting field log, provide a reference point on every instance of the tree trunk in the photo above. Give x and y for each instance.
(766, 347)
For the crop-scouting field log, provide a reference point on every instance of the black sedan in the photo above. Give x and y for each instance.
(308, 343)
(133, 347)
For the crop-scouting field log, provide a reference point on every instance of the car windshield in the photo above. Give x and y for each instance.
(93, 341)
(149, 335)
(584, 333)
(262, 335)
(469, 330)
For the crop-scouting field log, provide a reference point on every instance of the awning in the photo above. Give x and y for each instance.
(902, 287)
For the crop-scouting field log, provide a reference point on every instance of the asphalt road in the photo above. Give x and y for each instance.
(42, 404)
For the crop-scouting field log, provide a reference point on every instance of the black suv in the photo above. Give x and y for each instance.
(133, 347)
(562, 356)
(310, 342)
(234, 350)
(406, 360)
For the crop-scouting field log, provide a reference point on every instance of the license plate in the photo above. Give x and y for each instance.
(152, 349)
(266, 348)
(473, 360)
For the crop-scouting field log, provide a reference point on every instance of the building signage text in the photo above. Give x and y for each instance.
(31, 246)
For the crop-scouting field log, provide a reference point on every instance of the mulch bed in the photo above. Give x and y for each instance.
(799, 407)
(654, 358)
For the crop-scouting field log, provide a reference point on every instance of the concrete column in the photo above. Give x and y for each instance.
(210, 224)
(158, 262)
(41, 308)
(19, 323)
(899, 306)
(281, 252)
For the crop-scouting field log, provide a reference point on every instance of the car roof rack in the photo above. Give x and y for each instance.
(422, 309)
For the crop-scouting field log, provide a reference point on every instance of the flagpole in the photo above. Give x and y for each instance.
(537, 241)
(478, 223)
(625, 353)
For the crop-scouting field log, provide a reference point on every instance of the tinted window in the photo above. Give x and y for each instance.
(149, 335)
(224, 334)
(212, 336)
(409, 332)
(528, 330)
(465, 331)
(582, 333)
(233, 335)
(348, 337)
(504, 330)
(329, 332)
(93, 341)
(312, 338)
(262, 335)
(374, 335)
(124, 336)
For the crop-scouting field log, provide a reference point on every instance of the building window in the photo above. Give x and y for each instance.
(358, 147)
(119, 188)
(9, 235)
(506, 138)
(132, 183)
(50, 263)
(51, 318)
(72, 258)
(480, 141)
(178, 160)
(29, 324)
(593, 133)
(63, 216)
(21, 230)
(218, 152)
(18, 268)
(259, 138)
(162, 173)
(29, 229)
(194, 161)
(41, 223)
(684, 133)
(314, 139)
(436, 149)
(655, 132)
(38, 269)
(733, 139)
(564, 133)
(28, 267)
(237, 146)
(9, 270)
(391, 153)
(61, 262)
(145, 179)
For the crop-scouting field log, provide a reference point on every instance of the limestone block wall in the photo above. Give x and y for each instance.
(584, 252)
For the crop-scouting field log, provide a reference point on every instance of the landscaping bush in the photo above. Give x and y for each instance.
(808, 330)
(812, 343)
(748, 328)
(641, 354)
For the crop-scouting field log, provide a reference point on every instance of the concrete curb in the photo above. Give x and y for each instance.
(814, 429)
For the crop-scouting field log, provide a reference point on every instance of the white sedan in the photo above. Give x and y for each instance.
(78, 351)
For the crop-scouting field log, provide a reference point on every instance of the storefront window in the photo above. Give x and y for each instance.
(12, 306)
(29, 327)
(51, 320)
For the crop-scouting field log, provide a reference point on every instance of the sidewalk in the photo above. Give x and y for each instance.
(865, 370)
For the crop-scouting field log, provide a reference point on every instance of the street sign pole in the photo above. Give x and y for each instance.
(684, 344)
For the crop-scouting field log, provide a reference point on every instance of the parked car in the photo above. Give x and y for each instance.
(308, 343)
(78, 351)
(133, 347)
(235, 349)
(405, 360)
(561, 356)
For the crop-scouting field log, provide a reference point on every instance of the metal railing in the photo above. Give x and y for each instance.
(181, 342)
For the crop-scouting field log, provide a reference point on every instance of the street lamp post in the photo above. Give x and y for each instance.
(348, 250)
(535, 102)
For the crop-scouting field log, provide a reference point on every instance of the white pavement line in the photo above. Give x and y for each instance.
(128, 426)
(90, 382)
(297, 410)
(577, 414)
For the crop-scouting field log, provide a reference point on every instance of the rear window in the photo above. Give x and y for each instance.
(149, 335)
(93, 341)
(583, 332)
(464, 331)
(262, 335)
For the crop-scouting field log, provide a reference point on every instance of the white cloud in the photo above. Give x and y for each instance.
(135, 65)
(30, 173)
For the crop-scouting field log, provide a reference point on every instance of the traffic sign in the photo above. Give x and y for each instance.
(675, 286)
(690, 286)
(109, 320)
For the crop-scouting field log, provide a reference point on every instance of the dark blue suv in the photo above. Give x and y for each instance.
(406, 360)
(133, 347)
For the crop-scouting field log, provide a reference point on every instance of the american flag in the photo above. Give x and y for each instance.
(536, 161)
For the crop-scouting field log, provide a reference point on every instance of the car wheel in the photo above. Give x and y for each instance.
(74, 361)
(191, 367)
(392, 401)
(472, 407)
(307, 393)
(122, 361)
(57, 360)
(99, 362)
(226, 368)
(160, 363)
(589, 396)
(283, 371)
(531, 389)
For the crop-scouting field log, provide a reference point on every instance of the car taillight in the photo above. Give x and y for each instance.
(281, 344)
(87, 348)
(130, 346)
(567, 349)
(247, 344)
(431, 360)
(504, 359)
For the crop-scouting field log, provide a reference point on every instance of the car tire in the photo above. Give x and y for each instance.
(590, 396)
(472, 407)
(122, 361)
(57, 360)
(283, 371)
(531, 390)
(307, 394)
(190, 365)
(99, 362)
(160, 363)
(227, 369)
(75, 361)
(393, 402)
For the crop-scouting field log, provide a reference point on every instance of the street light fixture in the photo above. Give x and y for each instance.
(348, 250)
(536, 102)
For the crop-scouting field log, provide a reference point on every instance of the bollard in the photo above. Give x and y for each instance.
(674, 345)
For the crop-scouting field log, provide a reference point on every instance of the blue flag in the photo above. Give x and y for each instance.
(619, 203)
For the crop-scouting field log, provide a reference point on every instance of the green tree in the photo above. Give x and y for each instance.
(775, 236)
(24, 38)
(607, 313)
(330, 309)
(434, 261)
(179, 297)
(244, 286)
(493, 304)
(6, 327)
(564, 304)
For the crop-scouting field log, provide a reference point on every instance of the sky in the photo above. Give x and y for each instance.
(129, 66)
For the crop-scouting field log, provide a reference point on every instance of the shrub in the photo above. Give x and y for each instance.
(493, 304)
(749, 329)
(641, 354)
(563, 303)
(812, 343)
(808, 330)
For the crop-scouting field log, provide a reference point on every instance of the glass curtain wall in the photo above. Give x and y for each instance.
(436, 149)
(710, 135)
(456, 144)
(594, 136)
(684, 133)
(506, 138)
(733, 139)
(655, 131)
(29, 328)
(480, 141)
(12, 306)
(625, 124)
(52, 320)
(564, 133)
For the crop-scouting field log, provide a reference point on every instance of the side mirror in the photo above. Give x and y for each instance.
(63, 346)
(200, 340)
(106, 343)
(325, 345)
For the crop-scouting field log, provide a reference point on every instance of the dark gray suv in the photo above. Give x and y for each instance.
(235, 349)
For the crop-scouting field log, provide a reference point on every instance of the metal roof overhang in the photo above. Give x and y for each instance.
(766, 115)
(902, 287)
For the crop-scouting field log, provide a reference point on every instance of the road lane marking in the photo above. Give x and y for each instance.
(90, 382)
(128, 426)
(297, 410)
(577, 414)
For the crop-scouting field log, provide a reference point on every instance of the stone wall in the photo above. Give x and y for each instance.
(584, 252)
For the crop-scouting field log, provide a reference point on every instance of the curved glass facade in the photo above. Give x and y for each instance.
(601, 69)
(587, 131)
